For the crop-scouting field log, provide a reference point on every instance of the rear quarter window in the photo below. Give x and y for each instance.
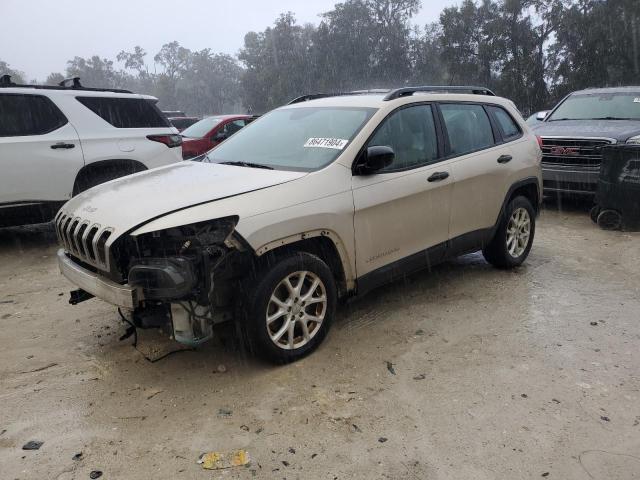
(126, 112)
(25, 115)
(508, 126)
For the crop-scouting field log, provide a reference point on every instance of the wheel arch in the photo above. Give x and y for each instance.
(324, 243)
(120, 164)
(528, 188)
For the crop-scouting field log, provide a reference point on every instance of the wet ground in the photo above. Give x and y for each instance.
(466, 372)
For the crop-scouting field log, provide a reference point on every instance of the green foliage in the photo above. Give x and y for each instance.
(532, 51)
(16, 75)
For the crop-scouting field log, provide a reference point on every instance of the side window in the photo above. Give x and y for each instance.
(22, 115)
(508, 126)
(126, 112)
(232, 127)
(468, 127)
(411, 132)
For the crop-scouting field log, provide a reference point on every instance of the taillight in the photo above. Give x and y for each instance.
(169, 140)
(539, 138)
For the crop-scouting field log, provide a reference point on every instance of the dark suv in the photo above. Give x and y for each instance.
(573, 132)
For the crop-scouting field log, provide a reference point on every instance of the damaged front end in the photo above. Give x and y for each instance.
(181, 278)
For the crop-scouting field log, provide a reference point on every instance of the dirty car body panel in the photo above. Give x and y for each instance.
(182, 241)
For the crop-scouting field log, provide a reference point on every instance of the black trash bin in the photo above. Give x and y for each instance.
(618, 195)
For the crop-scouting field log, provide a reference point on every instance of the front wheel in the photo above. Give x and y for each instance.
(513, 239)
(288, 309)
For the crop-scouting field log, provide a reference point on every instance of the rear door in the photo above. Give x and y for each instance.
(116, 127)
(479, 164)
(40, 152)
(403, 209)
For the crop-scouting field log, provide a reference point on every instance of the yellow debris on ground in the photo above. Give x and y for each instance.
(220, 460)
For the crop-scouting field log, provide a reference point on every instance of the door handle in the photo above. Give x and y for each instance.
(438, 176)
(62, 145)
(505, 159)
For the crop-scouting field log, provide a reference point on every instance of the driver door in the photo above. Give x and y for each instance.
(401, 217)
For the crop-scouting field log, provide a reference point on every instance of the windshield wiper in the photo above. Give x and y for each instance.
(594, 118)
(611, 118)
(247, 164)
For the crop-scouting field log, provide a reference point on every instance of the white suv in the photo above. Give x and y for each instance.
(319, 200)
(56, 142)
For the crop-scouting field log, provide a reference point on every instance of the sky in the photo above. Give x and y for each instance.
(39, 36)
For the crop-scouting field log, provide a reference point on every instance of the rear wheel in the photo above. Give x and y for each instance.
(288, 309)
(513, 239)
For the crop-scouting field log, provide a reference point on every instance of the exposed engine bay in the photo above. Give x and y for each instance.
(186, 275)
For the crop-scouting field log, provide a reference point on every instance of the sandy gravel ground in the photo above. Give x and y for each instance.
(466, 372)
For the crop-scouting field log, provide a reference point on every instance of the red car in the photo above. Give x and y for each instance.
(202, 136)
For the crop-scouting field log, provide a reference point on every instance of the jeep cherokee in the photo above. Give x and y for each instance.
(324, 198)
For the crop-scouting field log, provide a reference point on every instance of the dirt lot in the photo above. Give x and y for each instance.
(467, 372)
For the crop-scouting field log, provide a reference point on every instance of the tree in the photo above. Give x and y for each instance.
(134, 60)
(54, 78)
(427, 67)
(278, 64)
(391, 53)
(16, 75)
(210, 84)
(173, 58)
(95, 72)
(598, 44)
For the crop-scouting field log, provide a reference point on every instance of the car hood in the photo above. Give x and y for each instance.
(131, 201)
(619, 130)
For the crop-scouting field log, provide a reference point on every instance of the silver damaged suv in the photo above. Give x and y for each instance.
(322, 199)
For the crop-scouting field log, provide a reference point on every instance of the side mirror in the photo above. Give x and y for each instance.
(375, 158)
(540, 116)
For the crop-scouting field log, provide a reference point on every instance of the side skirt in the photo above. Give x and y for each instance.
(27, 213)
(425, 260)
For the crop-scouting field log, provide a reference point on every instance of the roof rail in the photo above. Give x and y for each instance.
(67, 84)
(392, 94)
(75, 83)
(314, 96)
(407, 91)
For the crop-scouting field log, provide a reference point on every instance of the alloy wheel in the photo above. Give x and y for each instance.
(296, 310)
(518, 232)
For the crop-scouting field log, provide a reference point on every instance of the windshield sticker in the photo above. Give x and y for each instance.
(335, 143)
(636, 100)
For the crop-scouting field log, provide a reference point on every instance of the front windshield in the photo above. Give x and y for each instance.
(201, 128)
(300, 139)
(599, 106)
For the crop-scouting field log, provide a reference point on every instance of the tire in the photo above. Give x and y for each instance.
(507, 249)
(281, 338)
(593, 213)
(609, 220)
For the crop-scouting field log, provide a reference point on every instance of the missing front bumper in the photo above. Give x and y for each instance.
(123, 296)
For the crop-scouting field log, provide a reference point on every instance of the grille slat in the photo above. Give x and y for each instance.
(84, 240)
(72, 234)
(573, 151)
(90, 248)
